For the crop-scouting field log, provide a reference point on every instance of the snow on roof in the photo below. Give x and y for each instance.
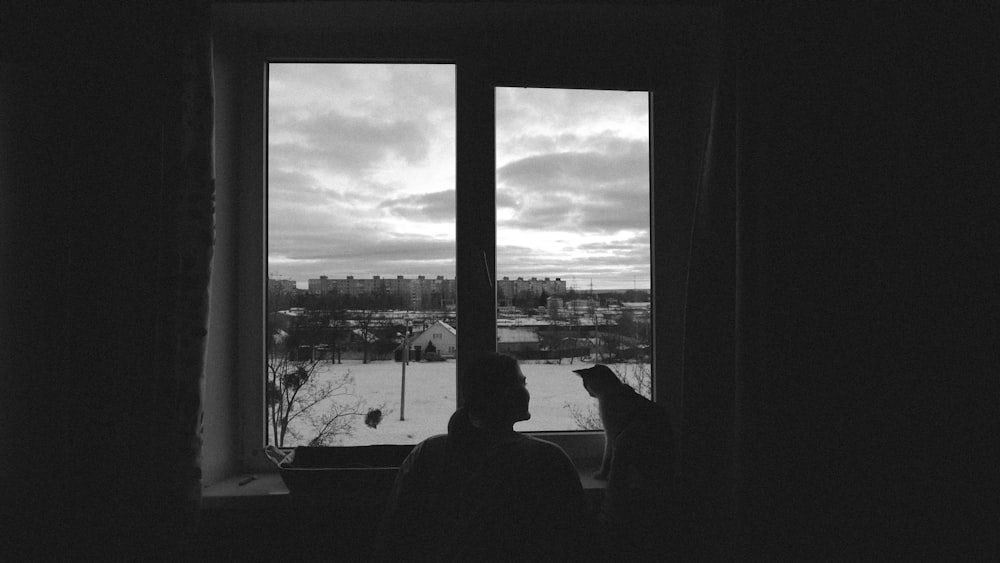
(445, 325)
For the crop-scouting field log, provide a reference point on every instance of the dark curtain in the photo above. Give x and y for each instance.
(697, 218)
(710, 339)
(186, 204)
(107, 234)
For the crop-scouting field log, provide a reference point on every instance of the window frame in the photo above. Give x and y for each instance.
(264, 39)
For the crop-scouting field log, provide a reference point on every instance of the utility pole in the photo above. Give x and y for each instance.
(593, 318)
(406, 359)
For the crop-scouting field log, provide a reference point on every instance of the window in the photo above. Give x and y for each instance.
(361, 249)
(360, 252)
(540, 49)
(573, 243)
(360, 183)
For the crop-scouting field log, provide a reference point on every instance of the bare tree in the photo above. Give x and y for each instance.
(343, 409)
(637, 376)
(365, 323)
(299, 403)
(585, 418)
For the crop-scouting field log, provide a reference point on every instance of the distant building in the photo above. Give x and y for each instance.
(423, 293)
(321, 285)
(554, 306)
(517, 339)
(420, 293)
(640, 310)
(442, 335)
(582, 305)
(281, 286)
(533, 287)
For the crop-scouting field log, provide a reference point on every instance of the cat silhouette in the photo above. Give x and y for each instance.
(631, 422)
(637, 509)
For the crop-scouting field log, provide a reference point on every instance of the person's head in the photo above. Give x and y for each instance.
(494, 391)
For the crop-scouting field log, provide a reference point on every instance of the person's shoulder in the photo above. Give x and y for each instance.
(422, 454)
(431, 444)
(543, 449)
(435, 439)
(539, 443)
(549, 467)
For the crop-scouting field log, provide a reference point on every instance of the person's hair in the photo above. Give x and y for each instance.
(484, 396)
(485, 384)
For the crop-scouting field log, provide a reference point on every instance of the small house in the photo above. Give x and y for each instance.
(441, 335)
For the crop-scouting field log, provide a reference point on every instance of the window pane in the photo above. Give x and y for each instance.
(360, 252)
(573, 260)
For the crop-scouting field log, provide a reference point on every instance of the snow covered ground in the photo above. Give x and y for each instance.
(430, 398)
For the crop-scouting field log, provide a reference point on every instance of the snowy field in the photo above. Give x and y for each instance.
(430, 398)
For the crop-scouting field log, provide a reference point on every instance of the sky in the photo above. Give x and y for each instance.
(361, 177)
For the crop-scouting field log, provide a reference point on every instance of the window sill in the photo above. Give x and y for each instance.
(267, 490)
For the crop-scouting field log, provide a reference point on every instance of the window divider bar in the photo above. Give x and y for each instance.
(475, 221)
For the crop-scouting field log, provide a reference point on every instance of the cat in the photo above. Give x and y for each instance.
(636, 429)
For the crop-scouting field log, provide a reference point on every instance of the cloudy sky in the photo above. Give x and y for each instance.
(361, 177)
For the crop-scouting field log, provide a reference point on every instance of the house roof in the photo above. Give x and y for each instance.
(447, 327)
(424, 336)
(444, 325)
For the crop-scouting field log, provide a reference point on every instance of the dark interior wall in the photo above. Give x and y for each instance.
(867, 377)
(86, 106)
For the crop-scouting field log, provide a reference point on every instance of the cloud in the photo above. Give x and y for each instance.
(588, 191)
(601, 158)
(358, 155)
(629, 256)
(350, 149)
(623, 253)
(535, 143)
(376, 246)
(290, 190)
(435, 206)
(546, 110)
(350, 145)
(569, 170)
(366, 254)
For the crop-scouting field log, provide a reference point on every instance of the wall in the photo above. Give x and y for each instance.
(867, 381)
(866, 387)
(84, 106)
(300, 532)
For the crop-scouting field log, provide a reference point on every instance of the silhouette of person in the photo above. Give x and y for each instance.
(484, 492)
